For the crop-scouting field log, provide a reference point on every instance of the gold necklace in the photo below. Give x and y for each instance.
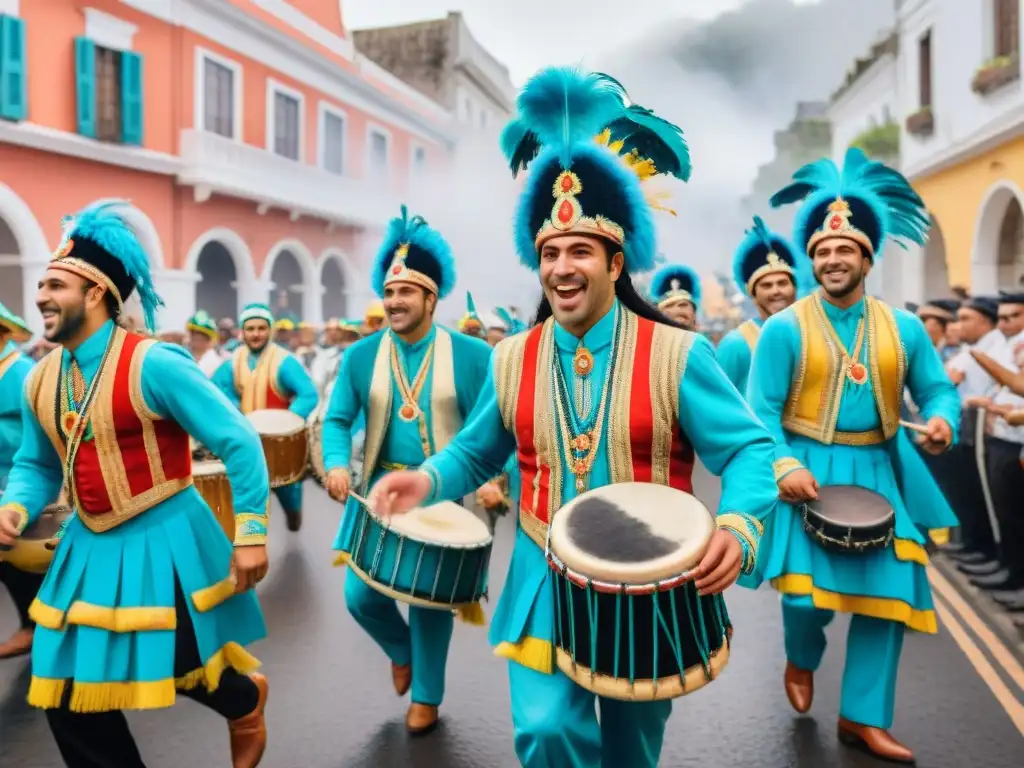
(410, 409)
(856, 371)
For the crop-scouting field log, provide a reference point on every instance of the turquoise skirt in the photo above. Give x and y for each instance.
(106, 610)
(888, 584)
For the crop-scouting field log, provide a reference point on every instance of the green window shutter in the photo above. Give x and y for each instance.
(131, 98)
(85, 86)
(13, 91)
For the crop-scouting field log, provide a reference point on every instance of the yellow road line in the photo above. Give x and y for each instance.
(999, 651)
(981, 665)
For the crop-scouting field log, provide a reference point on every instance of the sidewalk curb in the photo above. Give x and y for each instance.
(987, 609)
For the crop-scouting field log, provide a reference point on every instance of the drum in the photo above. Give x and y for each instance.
(211, 480)
(33, 550)
(628, 622)
(199, 451)
(285, 445)
(432, 557)
(848, 518)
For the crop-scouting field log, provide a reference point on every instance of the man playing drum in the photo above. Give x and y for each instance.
(827, 379)
(145, 597)
(602, 390)
(261, 375)
(764, 265)
(416, 382)
(14, 369)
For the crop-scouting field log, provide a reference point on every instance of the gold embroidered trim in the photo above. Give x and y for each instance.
(89, 272)
(536, 529)
(22, 513)
(378, 412)
(871, 437)
(888, 396)
(7, 362)
(41, 392)
(620, 447)
(815, 340)
(750, 331)
(545, 427)
(784, 466)
(446, 421)
(508, 375)
(778, 267)
(146, 416)
(252, 385)
(670, 349)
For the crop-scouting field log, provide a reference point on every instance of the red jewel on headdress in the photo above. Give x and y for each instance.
(836, 223)
(567, 183)
(565, 211)
(396, 270)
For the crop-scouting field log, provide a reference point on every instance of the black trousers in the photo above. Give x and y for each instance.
(103, 740)
(23, 588)
(1006, 484)
(962, 486)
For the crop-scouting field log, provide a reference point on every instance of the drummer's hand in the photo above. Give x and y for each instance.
(398, 492)
(338, 482)
(721, 564)
(490, 496)
(939, 436)
(10, 520)
(798, 486)
(249, 565)
(1015, 418)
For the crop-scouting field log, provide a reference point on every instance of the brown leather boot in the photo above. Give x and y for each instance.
(18, 644)
(875, 741)
(799, 688)
(401, 677)
(421, 719)
(249, 733)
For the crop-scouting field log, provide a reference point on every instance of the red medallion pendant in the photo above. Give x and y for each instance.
(408, 412)
(858, 373)
(68, 422)
(583, 362)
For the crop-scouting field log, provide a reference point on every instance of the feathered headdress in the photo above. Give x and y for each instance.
(100, 246)
(471, 315)
(413, 252)
(762, 252)
(589, 151)
(513, 325)
(675, 283)
(865, 201)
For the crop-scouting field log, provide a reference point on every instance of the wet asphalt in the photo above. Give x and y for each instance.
(332, 706)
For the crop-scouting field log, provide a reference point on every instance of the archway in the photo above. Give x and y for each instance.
(12, 277)
(24, 254)
(935, 272)
(998, 260)
(291, 271)
(334, 301)
(226, 278)
(144, 230)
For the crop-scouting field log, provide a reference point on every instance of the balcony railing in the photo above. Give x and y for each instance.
(223, 166)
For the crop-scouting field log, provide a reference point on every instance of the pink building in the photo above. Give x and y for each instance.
(262, 154)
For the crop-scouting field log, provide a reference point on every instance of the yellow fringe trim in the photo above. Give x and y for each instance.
(341, 559)
(47, 693)
(208, 598)
(939, 535)
(910, 551)
(46, 615)
(530, 652)
(875, 607)
(122, 619)
(473, 614)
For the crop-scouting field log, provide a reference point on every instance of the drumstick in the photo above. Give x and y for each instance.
(361, 500)
(914, 427)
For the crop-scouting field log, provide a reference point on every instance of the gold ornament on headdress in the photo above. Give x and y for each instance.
(837, 224)
(773, 263)
(399, 272)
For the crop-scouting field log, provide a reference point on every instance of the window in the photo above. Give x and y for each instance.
(108, 92)
(13, 105)
(419, 160)
(285, 124)
(1007, 28)
(218, 98)
(378, 150)
(925, 69)
(332, 140)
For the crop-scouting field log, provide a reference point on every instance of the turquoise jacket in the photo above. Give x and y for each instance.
(12, 383)
(735, 355)
(292, 379)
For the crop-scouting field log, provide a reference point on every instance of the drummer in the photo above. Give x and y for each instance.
(765, 266)
(145, 598)
(592, 316)
(842, 431)
(14, 369)
(260, 375)
(431, 379)
(676, 291)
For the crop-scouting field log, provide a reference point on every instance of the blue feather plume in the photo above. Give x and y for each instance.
(512, 324)
(403, 230)
(688, 279)
(102, 224)
(653, 138)
(899, 211)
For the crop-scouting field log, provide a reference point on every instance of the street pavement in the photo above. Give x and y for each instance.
(332, 706)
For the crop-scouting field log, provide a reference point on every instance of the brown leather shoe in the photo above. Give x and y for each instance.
(249, 733)
(18, 644)
(875, 741)
(799, 688)
(421, 719)
(401, 677)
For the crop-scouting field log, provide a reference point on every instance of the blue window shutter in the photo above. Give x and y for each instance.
(13, 92)
(131, 98)
(85, 85)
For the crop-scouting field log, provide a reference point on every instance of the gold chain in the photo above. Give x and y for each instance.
(410, 395)
(581, 467)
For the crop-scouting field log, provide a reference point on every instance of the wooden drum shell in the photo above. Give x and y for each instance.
(212, 484)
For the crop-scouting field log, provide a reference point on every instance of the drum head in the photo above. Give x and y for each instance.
(444, 523)
(851, 505)
(206, 468)
(48, 524)
(632, 533)
(276, 422)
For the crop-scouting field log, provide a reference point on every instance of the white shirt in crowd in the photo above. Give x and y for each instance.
(976, 382)
(210, 361)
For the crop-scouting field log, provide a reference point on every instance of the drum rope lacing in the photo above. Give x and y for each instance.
(581, 437)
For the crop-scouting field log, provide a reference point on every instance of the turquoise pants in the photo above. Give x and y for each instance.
(872, 658)
(423, 642)
(290, 497)
(556, 725)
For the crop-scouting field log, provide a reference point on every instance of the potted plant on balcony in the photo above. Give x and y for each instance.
(922, 122)
(996, 73)
(882, 142)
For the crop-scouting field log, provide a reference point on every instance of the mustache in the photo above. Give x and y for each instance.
(48, 307)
